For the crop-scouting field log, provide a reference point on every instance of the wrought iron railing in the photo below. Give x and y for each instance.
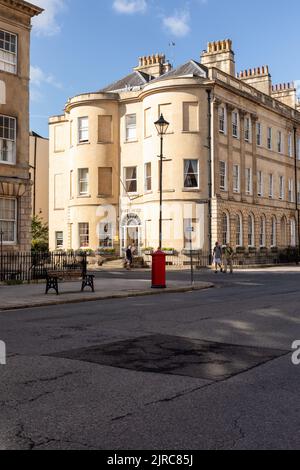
(27, 267)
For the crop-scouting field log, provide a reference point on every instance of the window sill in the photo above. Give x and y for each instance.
(104, 143)
(7, 163)
(130, 141)
(84, 196)
(191, 190)
(190, 132)
(83, 143)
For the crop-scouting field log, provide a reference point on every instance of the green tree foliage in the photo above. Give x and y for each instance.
(40, 234)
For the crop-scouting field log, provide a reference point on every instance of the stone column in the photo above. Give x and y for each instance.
(243, 157)
(254, 120)
(215, 153)
(230, 109)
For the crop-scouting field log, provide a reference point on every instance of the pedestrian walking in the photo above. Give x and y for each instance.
(217, 255)
(228, 258)
(129, 258)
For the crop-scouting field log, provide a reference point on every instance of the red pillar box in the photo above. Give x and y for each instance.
(159, 270)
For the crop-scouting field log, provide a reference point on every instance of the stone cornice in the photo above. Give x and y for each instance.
(22, 6)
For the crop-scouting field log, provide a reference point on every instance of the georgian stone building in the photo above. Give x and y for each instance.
(231, 169)
(15, 185)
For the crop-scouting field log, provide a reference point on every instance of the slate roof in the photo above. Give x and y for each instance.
(189, 68)
(140, 79)
(135, 79)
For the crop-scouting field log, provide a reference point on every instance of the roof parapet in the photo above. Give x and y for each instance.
(255, 72)
(290, 86)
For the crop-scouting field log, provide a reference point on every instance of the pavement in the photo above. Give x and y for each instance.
(208, 369)
(33, 295)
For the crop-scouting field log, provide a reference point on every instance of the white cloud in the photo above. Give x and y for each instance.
(46, 24)
(38, 80)
(130, 7)
(178, 24)
(38, 77)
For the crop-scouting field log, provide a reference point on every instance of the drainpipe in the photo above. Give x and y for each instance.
(34, 176)
(209, 146)
(296, 191)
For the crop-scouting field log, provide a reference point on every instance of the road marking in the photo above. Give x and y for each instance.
(248, 284)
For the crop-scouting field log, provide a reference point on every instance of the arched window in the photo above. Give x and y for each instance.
(239, 230)
(225, 228)
(293, 232)
(283, 232)
(251, 229)
(262, 231)
(273, 232)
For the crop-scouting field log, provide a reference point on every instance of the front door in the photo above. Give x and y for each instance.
(131, 236)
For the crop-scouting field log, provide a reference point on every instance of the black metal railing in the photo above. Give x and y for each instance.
(27, 267)
(202, 259)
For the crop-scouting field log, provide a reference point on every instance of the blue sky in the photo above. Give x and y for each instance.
(81, 45)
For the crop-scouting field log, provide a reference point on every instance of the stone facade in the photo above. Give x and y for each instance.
(225, 173)
(15, 184)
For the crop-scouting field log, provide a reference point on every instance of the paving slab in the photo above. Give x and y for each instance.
(33, 295)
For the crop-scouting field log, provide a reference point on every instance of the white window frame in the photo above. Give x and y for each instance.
(131, 179)
(269, 138)
(247, 125)
(259, 134)
(239, 234)
(147, 177)
(59, 246)
(279, 142)
(291, 191)
(290, 145)
(9, 136)
(293, 232)
(14, 221)
(271, 186)
(83, 129)
(130, 128)
(235, 124)
(262, 232)
(107, 242)
(281, 188)
(223, 175)
(260, 183)
(222, 119)
(186, 174)
(8, 58)
(252, 234)
(82, 181)
(273, 232)
(81, 234)
(249, 183)
(236, 179)
(225, 234)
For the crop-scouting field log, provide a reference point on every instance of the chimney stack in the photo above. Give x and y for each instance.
(258, 77)
(219, 54)
(154, 65)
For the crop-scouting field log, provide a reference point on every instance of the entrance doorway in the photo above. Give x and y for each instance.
(132, 232)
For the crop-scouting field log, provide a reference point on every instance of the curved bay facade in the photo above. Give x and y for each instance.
(230, 169)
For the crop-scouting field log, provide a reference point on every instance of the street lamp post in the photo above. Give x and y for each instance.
(159, 258)
(162, 127)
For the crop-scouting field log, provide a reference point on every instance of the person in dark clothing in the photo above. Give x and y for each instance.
(129, 258)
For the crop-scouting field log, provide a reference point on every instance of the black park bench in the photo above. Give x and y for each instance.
(68, 274)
